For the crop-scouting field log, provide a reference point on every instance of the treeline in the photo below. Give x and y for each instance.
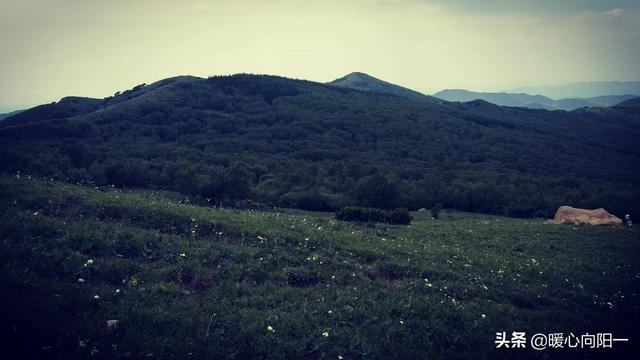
(329, 185)
(312, 146)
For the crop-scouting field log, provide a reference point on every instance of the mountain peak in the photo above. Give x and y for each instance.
(365, 82)
(357, 75)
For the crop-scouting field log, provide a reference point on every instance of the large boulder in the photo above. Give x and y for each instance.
(575, 216)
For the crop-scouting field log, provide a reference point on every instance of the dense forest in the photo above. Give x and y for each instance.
(276, 141)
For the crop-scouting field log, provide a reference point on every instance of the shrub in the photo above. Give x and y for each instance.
(361, 214)
(352, 213)
(399, 216)
(435, 211)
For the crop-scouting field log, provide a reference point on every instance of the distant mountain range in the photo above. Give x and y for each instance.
(532, 101)
(6, 115)
(586, 89)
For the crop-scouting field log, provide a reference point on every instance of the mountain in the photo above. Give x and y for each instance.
(633, 104)
(6, 115)
(364, 82)
(302, 144)
(502, 99)
(584, 89)
(531, 101)
(601, 101)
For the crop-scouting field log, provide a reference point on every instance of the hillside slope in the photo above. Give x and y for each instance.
(185, 281)
(315, 146)
(75, 105)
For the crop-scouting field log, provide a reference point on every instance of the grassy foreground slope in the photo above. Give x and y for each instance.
(194, 282)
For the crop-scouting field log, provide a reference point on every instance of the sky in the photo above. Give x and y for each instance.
(54, 48)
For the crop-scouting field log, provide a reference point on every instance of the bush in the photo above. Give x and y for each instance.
(361, 214)
(352, 213)
(435, 211)
(305, 200)
(399, 216)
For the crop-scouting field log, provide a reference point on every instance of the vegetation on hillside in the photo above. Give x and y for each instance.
(314, 146)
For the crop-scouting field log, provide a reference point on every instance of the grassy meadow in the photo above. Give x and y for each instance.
(186, 281)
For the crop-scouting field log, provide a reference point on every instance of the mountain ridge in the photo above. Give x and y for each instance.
(531, 101)
(584, 89)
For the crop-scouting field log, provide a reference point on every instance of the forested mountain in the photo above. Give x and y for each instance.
(531, 101)
(318, 146)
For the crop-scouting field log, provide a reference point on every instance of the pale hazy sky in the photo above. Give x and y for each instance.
(53, 48)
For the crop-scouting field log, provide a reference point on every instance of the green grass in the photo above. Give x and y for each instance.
(197, 282)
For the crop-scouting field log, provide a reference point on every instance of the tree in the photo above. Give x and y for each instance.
(435, 210)
(377, 191)
(231, 184)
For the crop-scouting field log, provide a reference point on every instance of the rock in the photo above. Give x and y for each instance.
(112, 324)
(575, 216)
